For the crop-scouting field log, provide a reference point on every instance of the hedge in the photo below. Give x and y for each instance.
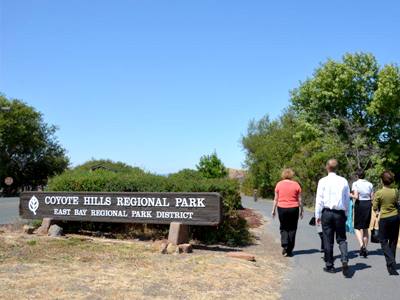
(233, 229)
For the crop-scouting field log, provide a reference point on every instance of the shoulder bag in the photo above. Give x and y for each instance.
(375, 234)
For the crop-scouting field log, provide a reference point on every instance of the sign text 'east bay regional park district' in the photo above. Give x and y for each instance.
(152, 208)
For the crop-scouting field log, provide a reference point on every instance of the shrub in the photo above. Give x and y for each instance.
(232, 230)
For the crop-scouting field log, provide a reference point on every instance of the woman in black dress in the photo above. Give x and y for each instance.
(363, 193)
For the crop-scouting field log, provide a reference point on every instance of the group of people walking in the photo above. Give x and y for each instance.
(332, 209)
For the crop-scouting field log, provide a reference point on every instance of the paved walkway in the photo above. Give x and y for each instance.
(368, 277)
(8, 210)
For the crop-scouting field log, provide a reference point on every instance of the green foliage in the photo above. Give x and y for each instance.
(269, 145)
(212, 167)
(29, 150)
(134, 180)
(118, 166)
(248, 185)
(348, 109)
(186, 174)
(37, 223)
(309, 165)
(356, 103)
(234, 231)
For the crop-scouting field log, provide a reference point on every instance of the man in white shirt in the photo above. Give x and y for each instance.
(331, 209)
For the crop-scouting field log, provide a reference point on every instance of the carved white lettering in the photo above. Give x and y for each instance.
(108, 213)
(80, 212)
(174, 215)
(142, 202)
(62, 212)
(193, 202)
(96, 201)
(141, 214)
(61, 200)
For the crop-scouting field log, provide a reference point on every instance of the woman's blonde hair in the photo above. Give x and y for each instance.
(287, 173)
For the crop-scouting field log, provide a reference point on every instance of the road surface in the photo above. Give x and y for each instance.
(368, 277)
(8, 210)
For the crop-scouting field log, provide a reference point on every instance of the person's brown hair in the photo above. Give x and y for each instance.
(360, 173)
(287, 173)
(387, 178)
(332, 164)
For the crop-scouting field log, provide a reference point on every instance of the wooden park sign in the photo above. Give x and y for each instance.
(151, 208)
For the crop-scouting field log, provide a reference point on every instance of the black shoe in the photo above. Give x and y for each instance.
(284, 251)
(345, 266)
(391, 269)
(365, 253)
(331, 270)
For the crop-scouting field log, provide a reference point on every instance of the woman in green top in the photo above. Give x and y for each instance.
(385, 205)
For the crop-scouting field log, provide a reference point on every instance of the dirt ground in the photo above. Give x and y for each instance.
(78, 267)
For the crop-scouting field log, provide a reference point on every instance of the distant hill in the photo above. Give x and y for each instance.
(237, 174)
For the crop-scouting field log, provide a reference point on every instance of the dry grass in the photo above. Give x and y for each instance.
(97, 268)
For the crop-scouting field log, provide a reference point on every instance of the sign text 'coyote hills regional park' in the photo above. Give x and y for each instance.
(155, 208)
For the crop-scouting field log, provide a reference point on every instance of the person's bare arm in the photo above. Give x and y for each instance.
(300, 200)
(274, 205)
(354, 195)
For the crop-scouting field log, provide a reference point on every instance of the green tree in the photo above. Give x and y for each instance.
(356, 103)
(211, 166)
(269, 145)
(384, 110)
(29, 150)
(348, 109)
(309, 164)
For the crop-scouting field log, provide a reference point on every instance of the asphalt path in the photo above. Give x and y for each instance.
(9, 210)
(368, 277)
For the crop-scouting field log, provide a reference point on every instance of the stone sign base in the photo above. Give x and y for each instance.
(178, 233)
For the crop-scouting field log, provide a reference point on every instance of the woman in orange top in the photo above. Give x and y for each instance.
(288, 200)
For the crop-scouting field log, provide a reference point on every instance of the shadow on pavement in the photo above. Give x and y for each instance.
(376, 252)
(301, 252)
(355, 253)
(354, 268)
(350, 255)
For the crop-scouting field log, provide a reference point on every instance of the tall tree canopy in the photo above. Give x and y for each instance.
(349, 109)
(268, 145)
(29, 150)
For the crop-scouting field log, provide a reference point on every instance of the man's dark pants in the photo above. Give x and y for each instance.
(334, 221)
